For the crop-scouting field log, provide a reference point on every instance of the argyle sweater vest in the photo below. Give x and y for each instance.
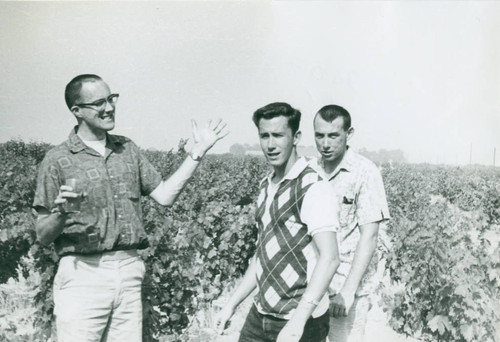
(283, 246)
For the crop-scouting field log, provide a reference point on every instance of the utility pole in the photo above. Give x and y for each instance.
(470, 156)
(494, 155)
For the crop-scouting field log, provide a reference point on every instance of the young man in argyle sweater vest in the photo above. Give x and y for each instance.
(297, 251)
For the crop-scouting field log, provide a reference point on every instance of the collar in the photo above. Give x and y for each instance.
(77, 145)
(346, 164)
(112, 141)
(294, 172)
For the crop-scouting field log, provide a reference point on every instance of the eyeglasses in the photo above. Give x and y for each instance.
(100, 104)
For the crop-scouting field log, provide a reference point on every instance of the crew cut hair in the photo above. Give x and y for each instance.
(276, 109)
(73, 88)
(331, 112)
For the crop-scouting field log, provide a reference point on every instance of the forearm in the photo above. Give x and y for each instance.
(49, 227)
(245, 287)
(362, 257)
(204, 139)
(316, 288)
(168, 190)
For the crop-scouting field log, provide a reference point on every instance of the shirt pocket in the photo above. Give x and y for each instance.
(347, 209)
(127, 177)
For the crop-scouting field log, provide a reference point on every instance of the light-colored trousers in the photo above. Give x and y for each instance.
(98, 297)
(352, 327)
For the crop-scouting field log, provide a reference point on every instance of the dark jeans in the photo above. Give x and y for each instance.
(259, 327)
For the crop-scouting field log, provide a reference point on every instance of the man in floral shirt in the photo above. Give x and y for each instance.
(363, 207)
(88, 204)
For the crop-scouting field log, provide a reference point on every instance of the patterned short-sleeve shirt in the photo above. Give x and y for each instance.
(110, 217)
(361, 198)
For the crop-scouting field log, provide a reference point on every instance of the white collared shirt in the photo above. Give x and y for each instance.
(360, 195)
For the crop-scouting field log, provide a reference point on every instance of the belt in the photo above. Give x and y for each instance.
(108, 256)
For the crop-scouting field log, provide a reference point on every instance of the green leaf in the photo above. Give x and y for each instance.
(440, 323)
(462, 290)
(211, 254)
(467, 332)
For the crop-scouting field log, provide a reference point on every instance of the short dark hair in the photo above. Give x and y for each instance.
(331, 112)
(275, 109)
(73, 88)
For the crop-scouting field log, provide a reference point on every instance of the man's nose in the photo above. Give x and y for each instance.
(271, 144)
(325, 144)
(109, 107)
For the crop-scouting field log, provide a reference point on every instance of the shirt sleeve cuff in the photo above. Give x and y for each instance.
(374, 217)
(315, 231)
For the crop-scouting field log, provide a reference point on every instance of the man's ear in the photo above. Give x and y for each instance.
(296, 138)
(76, 112)
(350, 132)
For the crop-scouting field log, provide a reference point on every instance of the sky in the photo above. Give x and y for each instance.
(422, 77)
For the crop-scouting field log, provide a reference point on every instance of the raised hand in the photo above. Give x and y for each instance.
(206, 137)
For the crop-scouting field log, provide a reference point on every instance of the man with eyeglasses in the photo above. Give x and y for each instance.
(97, 287)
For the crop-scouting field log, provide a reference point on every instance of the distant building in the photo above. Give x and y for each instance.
(307, 151)
(378, 157)
(384, 156)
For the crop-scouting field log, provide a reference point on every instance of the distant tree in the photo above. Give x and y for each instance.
(254, 147)
(237, 149)
(397, 156)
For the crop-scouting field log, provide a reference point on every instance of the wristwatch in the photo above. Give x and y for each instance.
(195, 156)
(309, 299)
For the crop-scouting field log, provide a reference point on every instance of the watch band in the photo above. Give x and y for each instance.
(195, 156)
(310, 300)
